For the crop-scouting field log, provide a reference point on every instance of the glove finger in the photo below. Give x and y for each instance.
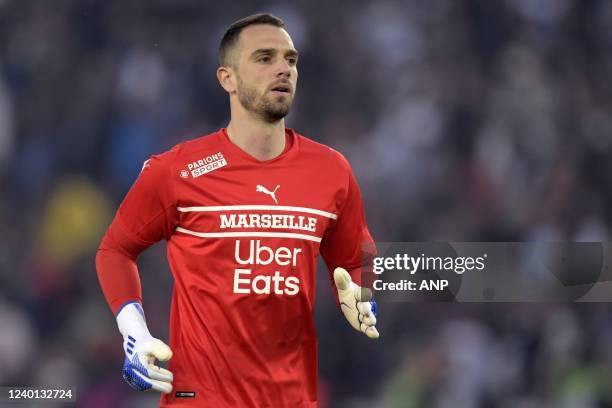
(135, 378)
(365, 308)
(371, 332)
(143, 382)
(161, 386)
(160, 350)
(374, 307)
(342, 279)
(159, 373)
(363, 294)
(369, 320)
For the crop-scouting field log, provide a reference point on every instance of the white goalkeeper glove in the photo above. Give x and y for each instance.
(141, 351)
(356, 304)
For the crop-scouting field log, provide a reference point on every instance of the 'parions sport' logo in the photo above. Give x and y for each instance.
(205, 165)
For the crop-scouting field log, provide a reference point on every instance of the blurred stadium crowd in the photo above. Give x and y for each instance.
(468, 120)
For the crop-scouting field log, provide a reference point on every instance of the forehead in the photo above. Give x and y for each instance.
(264, 36)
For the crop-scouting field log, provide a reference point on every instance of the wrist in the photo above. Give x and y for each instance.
(131, 320)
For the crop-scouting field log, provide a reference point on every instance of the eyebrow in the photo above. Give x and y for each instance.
(272, 51)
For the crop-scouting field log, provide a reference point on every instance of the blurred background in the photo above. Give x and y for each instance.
(468, 120)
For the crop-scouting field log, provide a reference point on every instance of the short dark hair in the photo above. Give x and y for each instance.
(230, 38)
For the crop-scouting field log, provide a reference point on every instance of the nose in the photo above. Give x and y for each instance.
(284, 69)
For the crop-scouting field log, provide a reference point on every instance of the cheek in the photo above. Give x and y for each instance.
(259, 79)
(253, 83)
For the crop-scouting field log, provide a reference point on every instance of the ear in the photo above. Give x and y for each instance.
(227, 79)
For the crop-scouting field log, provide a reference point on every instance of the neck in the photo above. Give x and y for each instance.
(260, 139)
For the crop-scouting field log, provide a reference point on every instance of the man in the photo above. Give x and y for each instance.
(245, 212)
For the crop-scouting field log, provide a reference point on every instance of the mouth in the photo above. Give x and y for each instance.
(281, 89)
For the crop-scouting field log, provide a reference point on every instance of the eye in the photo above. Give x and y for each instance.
(264, 59)
(292, 60)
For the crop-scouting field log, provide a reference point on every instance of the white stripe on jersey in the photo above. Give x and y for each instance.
(249, 234)
(259, 207)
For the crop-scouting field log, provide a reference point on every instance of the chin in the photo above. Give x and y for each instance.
(274, 115)
(280, 109)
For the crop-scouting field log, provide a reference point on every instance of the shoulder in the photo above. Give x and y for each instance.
(185, 151)
(197, 145)
(326, 157)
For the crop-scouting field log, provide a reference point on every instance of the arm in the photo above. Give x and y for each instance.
(348, 250)
(147, 215)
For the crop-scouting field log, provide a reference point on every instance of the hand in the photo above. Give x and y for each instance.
(138, 368)
(356, 304)
(141, 351)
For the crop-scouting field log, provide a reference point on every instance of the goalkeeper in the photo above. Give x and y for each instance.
(245, 211)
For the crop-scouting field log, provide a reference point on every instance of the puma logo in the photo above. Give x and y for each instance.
(262, 189)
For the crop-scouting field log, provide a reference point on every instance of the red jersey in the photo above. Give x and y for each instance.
(243, 237)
